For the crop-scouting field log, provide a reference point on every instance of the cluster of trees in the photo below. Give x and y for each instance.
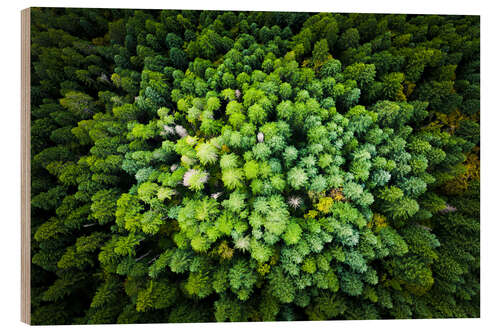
(195, 166)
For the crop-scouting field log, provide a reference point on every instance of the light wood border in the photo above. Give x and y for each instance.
(25, 166)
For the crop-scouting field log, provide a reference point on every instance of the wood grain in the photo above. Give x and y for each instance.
(25, 166)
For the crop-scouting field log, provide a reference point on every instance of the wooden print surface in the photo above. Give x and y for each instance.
(202, 166)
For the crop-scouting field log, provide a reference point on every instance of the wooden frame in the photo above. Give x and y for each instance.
(25, 166)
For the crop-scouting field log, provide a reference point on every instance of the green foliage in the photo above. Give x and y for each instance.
(195, 166)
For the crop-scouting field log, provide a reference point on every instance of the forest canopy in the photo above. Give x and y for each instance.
(197, 166)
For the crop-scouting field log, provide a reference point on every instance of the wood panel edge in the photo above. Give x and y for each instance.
(25, 166)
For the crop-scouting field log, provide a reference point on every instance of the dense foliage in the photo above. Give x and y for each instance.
(197, 166)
